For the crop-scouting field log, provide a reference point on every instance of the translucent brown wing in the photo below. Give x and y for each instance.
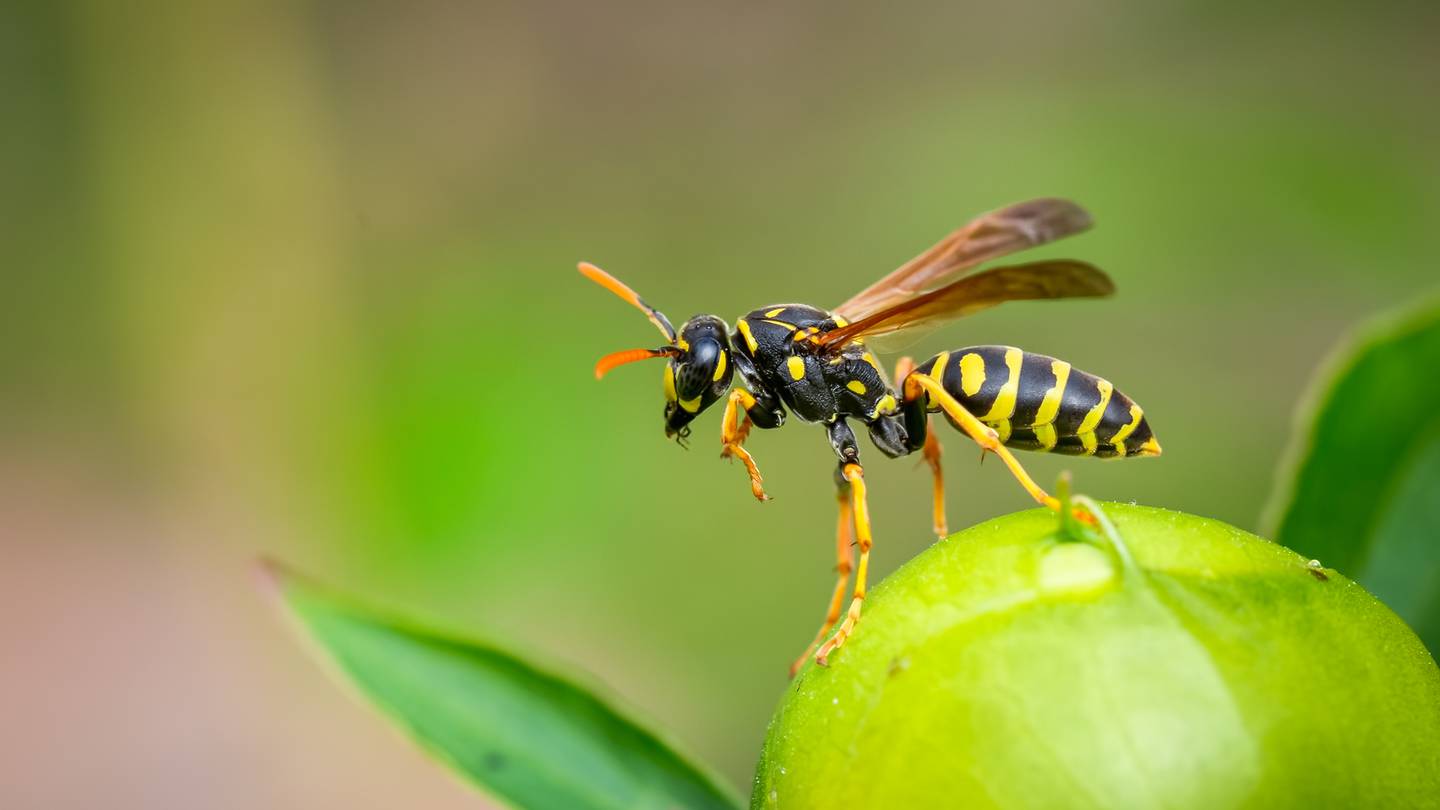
(990, 236)
(1059, 278)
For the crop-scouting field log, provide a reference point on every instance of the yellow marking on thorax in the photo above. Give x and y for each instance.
(776, 311)
(720, 368)
(886, 405)
(1050, 405)
(972, 373)
(1045, 434)
(1004, 406)
(797, 368)
(875, 364)
(1087, 425)
(691, 405)
(856, 386)
(670, 395)
(839, 321)
(788, 326)
(744, 326)
(809, 332)
(1124, 433)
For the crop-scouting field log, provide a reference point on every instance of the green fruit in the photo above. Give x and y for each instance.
(1012, 666)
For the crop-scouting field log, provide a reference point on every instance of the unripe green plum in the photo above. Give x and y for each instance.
(1014, 666)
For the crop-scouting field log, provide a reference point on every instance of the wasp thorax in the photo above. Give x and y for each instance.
(699, 374)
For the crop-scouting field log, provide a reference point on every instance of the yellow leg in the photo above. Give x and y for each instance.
(856, 476)
(845, 562)
(983, 434)
(930, 452)
(732, 434)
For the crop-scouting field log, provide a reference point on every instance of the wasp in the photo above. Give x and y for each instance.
(820, 366)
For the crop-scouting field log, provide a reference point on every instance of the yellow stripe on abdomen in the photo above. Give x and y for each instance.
(1092, 419)
(1004, 405)
(972, 373)
(1050, 405)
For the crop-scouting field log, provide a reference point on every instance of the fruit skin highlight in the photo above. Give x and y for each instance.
(1011, 666)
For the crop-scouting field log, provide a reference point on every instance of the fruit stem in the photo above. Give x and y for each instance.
(1078, 530)
(1112, 535)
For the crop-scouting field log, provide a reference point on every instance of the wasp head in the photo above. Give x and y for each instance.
(698, 374)
(697, 369)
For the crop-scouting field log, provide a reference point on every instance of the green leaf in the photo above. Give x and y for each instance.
(522, 734)
(1361, 491)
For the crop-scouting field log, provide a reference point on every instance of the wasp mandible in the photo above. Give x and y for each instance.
(816, 364)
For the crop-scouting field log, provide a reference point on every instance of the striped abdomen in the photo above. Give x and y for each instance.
(1039, 403)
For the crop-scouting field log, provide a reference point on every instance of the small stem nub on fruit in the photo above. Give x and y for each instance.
(1072, 506)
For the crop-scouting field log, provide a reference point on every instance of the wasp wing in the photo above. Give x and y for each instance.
(989, 236)
(1059, 278)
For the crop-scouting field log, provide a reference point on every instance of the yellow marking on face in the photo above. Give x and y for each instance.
(682, 343)
(972, 373)
(797, 368)
(744, 327)
(1150, 447)
(1004, 406)
(1001, 428)
(776, 311)
(886, 405)
(839, 321)
(670, 395)
(1124, 433)
(1050, 405)
(691, 405)
(1087, 425)
(1087, 440)
(856, 386)
(1045, 434)
(720, 367)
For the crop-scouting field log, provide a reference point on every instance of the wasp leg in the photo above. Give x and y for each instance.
(843, 439)
(983, 435)
(917, 424)
(845, 563)
(733, 432)
(856, 476)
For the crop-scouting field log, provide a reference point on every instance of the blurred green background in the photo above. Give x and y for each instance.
(298, 279)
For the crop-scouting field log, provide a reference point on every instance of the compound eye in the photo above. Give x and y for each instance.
(697, 371)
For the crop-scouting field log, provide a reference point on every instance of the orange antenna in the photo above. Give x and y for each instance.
(614, 285)
(620, 358)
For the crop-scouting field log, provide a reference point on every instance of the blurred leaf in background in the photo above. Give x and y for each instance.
(526, 735)
(1361, 491)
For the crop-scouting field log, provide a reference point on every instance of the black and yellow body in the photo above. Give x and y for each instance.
(783, 365)
(815, 364)
(1035, 402)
